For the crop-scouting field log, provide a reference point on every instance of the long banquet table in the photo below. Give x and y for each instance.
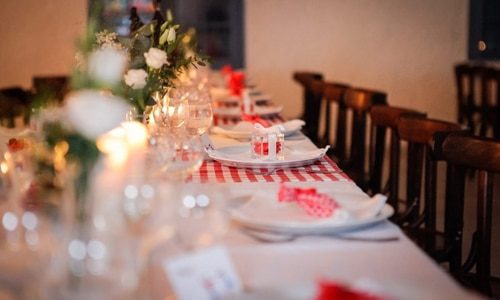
(289, 270)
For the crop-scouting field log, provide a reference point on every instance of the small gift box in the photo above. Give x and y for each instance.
(247, 105)
(268, 143)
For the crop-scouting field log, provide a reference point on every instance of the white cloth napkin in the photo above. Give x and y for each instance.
(243, 130)
(264, 206)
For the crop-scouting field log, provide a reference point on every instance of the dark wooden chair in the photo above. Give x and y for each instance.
(50, 87)
(333, 94)
(418, 134)
(384, 120)
(468, 83)
(417, 212)
(462, 154)
(15, 103)
(490, 102)
(358, 103)
(311, 102)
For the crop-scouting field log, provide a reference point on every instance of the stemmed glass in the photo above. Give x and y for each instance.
(200, 115)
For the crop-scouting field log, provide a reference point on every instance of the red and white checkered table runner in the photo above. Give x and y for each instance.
(212, 171)
(322, 170)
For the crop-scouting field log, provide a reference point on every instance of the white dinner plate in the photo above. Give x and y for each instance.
(264, 213)
(241, 157)
(260, 110)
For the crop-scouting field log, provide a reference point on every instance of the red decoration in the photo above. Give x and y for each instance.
(255, 119)
(334, 291)
(314, 203)
(236, 83)
(263, 148)
(16, 144)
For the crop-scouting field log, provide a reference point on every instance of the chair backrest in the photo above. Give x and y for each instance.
(490, 102)
(419, 134)
(463, 154)
(311, 103)
(14, 102)
(55, 87)
(466, 76)
(334, 93)
(384, 119)
(358, 102)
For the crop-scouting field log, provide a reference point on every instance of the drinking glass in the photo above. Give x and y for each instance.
(200, 117)
(200, 113)
(187, 159)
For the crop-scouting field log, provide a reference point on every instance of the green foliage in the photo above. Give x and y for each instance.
(161, 79)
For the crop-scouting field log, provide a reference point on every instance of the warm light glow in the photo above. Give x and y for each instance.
(114, 145)
(60, 151)
(137, 134)
(119, 143)
(481, 45)
(4, 167)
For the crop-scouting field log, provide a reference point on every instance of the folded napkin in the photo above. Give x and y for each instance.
(349, 206)
(244, 128)
(218, 93)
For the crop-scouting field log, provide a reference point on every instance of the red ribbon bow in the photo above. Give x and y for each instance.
(255, 119)
(314, 203)
(236, 83)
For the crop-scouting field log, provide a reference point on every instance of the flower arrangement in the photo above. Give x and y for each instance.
(159, 54)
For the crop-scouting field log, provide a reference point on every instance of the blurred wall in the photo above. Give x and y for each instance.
(405, 47)
(38, 38)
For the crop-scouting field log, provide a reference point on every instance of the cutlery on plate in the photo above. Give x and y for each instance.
(278, 237)
(309, 171)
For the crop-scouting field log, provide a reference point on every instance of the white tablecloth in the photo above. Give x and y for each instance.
(289, 270)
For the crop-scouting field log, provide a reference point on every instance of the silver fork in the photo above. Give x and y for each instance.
(310, 171)
(275, 237)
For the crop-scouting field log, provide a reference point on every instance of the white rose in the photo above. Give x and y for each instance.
(136, 78)
(171, 35)
(92, 113)
(155, 58)
(107, 65)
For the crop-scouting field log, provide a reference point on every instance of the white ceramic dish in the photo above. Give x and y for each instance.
(264, 213)
(241, 157)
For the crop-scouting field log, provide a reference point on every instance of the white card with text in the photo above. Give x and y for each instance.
(206, 274)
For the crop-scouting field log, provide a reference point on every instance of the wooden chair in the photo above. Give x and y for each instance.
(15, 103)
(467, 77)
(333, 94)
(50, 87)
(419, 134)
(384, 119)
(358, 102)
(490, 102)
(463, 153)
(311, 102)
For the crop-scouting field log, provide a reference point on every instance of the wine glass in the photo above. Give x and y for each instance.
(187, 159)
(200, 114)
(200, 117)
(201, 217)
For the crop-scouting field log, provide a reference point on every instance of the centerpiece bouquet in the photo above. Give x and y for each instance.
(159, 54)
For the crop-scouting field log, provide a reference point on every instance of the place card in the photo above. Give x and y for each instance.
(206, 274)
